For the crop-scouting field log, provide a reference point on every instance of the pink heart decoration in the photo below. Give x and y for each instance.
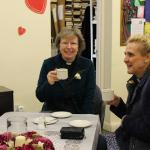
(21, 30)
(37, 6)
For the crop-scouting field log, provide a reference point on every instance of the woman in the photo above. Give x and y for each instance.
(134, 131)
(74, 94)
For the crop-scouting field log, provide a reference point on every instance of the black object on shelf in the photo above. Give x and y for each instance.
(6, 100)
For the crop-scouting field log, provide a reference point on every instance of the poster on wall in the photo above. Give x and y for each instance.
(134, 16)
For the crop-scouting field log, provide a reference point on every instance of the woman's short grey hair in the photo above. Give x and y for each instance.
(73, 31)
(143, 40)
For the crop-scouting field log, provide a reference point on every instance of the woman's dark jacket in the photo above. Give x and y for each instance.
(135, 128)
(74, 95)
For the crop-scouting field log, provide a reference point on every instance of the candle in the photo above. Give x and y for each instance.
(20, 140)
(40, 144)
(10, 143)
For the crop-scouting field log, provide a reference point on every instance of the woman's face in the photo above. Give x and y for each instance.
(69, 47)
(136, 63)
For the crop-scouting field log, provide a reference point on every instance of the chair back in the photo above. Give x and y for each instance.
(99, 105)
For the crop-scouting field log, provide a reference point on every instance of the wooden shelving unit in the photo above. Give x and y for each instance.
(74, 12)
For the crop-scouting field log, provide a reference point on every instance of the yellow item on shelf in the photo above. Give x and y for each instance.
(147, 28)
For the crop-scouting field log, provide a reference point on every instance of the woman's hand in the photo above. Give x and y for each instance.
(52, 77)
(115, 102)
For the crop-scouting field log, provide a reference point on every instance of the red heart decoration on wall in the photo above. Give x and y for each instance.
(37, 6)
(21, 30)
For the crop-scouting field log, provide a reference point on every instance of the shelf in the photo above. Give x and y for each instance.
(68, 19)
(86, 1)
(77, 6)
(53, 1)
(68, 0)
(68, 13)
(84, 5)
(77, 12)
(77, 1)
(74, 12)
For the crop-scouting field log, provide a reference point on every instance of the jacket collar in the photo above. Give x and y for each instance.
(133, 81)
(133, 86)
(145, 77)
(60, 62)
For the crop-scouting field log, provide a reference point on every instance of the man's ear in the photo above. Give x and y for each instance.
(147, 59)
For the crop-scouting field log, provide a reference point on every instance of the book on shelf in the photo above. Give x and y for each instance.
(68, 12)
(68, 19)
(69, 23)
(77, 5)
(77, 12)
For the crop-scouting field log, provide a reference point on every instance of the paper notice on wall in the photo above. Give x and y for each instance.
(147, 28)
(136, 3)
(137, 26)
(140, 12)
(60, 12)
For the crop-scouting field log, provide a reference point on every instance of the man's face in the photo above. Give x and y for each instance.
(134, 60)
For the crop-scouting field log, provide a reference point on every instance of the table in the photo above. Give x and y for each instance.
(52, 131)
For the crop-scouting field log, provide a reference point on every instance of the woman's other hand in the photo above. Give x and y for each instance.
(52, 77)
(115, 102)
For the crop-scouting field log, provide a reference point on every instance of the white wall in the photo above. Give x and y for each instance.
(119, 71)
(112, 70)
(119, 74)
(21, 57)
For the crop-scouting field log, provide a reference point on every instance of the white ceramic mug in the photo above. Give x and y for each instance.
(107, 94)
(62, 73)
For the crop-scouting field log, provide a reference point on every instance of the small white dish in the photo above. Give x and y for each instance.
(61, 114)
(46, 120)
(80, 123)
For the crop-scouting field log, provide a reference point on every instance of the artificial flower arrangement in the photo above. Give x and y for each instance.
(25, 141)
(78, 74)
(130, 82)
